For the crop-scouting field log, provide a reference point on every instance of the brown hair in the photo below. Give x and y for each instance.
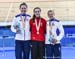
(34, 11)
(23, 4)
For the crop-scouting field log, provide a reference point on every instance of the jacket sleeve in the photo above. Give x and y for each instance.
(13, 24)
(47, 31)
(45, 26)
(61, 30)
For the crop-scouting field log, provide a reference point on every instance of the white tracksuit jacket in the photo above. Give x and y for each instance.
(21, 34)
(56, 24)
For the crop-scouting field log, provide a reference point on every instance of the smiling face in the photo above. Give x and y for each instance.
(37, 12)
(51, 14)
(23, 9)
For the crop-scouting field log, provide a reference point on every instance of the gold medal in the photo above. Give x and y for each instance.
(37, 32)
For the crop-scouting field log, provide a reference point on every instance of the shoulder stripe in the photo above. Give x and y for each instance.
(23, 15)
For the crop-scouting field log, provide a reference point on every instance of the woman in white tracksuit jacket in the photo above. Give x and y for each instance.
(20, 26)
(55, 33)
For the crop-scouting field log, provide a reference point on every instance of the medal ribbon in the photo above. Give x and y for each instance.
(38, 25)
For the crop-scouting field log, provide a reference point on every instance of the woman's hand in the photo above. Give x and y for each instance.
(54, 41)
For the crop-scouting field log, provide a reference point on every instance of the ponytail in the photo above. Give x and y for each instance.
(33, 18)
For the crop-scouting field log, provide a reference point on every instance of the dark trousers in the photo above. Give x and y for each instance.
(37, 50)
(53, 51)
(22, 49)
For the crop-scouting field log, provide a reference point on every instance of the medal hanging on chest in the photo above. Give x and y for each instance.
(38, 25)
(23, 18)
(50, 28)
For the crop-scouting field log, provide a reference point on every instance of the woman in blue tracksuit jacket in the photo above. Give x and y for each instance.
(20, 26)
(55, 33)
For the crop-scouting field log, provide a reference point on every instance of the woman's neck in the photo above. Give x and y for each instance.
(51, 18)
(23, 13)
